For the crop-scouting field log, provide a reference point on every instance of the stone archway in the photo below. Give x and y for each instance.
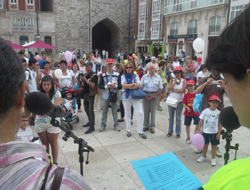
(106, 35)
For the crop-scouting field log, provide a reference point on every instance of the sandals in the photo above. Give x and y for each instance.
(128, 134)
(169, 134)
(80, 110)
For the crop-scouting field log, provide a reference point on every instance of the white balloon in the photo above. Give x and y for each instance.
(198, 45)
(58, 73)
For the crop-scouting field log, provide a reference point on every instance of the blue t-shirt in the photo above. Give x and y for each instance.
(41, 63)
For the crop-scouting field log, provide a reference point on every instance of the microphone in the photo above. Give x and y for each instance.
(228, 119)
(40, 104)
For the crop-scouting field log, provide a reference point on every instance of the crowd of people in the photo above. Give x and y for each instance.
(183, 79)
(103, 85)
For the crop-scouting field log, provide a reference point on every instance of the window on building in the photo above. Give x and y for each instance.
(214, 26)
(1, 4)
(15, 23)
(192, 26)
(141, 31)
(13, 1)
(47, 5)
(155, 30)
(23, 25)
(235, 11)
(23, 40)
(30, 2)
(30, 24)
(174, 28)
(143, 12)
(156, 9)
(48, 40)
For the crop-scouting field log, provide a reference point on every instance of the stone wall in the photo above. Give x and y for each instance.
(72, 23)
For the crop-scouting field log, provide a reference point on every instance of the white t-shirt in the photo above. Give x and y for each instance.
(176, 64)
(165, 55)
(200, 74)
(211, 119)
(24, 136)
(30, 76)
(66, 81)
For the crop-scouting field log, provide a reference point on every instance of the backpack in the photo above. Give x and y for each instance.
(197, 105)
(29, 74)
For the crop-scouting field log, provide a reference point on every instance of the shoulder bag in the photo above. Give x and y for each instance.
(112, 95)
(137, 93)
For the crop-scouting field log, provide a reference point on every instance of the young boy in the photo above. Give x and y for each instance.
(25, 132)
(211, 128)
(189, 113)
(68, 103)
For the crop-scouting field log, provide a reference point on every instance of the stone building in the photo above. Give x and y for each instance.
(79, 24)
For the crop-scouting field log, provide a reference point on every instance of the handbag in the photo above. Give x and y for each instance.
(137, 93)
(172, 102)
(112, 95)
(197, 105)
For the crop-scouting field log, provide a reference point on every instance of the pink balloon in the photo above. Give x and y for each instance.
(198, 140)
(68, 55)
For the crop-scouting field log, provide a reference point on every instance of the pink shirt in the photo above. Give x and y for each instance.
(20, 170)
(196, 68)
(82, 69)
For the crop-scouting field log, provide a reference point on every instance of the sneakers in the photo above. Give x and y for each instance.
(159, 108)
(213, 162)
(201, 159)
(218, 154)
(117, 128)
(198, 151)
(102, 129)
(188, 140)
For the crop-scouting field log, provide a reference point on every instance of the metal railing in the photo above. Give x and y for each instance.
(15, 27)
(173, 31)
(192, 30)
(214, 30)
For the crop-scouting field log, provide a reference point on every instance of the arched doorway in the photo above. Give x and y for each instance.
(106, 35)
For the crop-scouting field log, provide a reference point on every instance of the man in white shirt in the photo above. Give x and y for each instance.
(22, 56)
(103, 54)
(166, 55)
(30, 77)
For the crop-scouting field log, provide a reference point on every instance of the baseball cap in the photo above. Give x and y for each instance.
(199, 59)
(191, 81)
(214, 97)
(110, 61)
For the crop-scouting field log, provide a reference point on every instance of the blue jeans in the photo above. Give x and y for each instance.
(171, 111)
(98, 67)
(105, 105)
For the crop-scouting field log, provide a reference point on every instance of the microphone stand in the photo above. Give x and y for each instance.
(82, 144)
(228, 136)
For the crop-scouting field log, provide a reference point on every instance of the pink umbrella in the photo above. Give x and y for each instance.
(41, 44)
(14, 46)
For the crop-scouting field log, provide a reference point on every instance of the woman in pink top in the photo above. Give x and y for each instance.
(82, 67)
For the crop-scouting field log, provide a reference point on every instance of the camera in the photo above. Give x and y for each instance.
(215, 82)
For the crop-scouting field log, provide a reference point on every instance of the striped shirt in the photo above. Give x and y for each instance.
(151, 84)
(20, 170)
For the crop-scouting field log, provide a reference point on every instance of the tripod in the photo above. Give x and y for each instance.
(228, 136)
(82, 144)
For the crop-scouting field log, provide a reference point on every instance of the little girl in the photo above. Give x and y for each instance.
(68, 103)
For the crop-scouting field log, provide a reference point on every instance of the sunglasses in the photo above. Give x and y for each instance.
(128, 67)
(176, 73)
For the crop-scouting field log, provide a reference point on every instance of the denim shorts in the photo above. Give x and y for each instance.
(211, 138)
(188, 120)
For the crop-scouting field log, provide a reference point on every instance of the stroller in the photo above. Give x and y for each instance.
(69, 117)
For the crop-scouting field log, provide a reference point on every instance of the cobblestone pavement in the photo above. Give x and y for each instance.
(109, 165)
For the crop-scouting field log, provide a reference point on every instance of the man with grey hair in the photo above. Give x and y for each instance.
(151, 84)
(18, 165)
(153, 61)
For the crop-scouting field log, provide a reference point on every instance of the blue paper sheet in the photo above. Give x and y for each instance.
(165, 172)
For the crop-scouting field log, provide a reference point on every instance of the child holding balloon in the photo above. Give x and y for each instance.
(189, 113)
(211, 128)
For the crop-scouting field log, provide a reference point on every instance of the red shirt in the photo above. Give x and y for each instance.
(188, 99)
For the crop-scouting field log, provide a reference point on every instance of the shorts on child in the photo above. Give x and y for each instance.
(164, 90)
(211, 138)
(188, 120)
(47, 127)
